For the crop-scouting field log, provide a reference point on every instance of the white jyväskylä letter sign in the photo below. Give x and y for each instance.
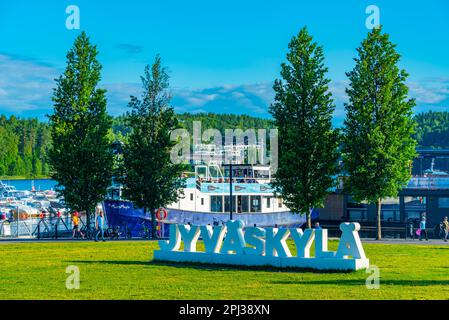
(233, 245)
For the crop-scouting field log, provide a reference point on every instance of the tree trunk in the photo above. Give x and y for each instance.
(309, 220)
(153, 224)
(379, 223)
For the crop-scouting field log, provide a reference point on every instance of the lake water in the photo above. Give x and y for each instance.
(46, 184)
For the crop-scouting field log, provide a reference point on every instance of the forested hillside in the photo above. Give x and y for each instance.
(208, 121)
(24, 142)
(23, 147)
(432, 130)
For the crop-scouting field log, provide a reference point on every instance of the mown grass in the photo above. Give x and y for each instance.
(123, 270)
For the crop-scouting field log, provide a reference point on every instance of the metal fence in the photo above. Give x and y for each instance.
(36, 228)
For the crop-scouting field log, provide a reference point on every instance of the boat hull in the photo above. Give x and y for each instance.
(120, 212)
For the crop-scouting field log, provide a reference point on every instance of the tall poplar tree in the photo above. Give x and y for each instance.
(81, 156)
(303, 108)
(150, 179)
(378, 145)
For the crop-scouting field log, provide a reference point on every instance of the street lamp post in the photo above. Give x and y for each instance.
(231, 200)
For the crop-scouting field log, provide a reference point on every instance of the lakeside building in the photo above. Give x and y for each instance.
(427, 191)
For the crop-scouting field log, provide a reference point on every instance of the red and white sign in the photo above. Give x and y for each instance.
(161, 214)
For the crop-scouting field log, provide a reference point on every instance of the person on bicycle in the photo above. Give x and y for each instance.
(99, 226)
(76, 225)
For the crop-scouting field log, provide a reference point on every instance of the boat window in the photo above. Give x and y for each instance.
(227, 206)
(114, 194)
(202, 201)
(191, 197)
(256, 204)
(242, 204)
(268, 202)
(262, 174)
(216, 203)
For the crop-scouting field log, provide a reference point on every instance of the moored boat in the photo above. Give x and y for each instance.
(207, 198)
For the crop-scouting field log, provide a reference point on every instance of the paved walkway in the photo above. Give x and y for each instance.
(408, 241)
(366, 240)
(26, 240)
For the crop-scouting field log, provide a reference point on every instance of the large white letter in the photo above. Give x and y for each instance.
(190, 235)
(175, 240)
(73, 20)
(253, 238)
(213, 238)
(234, 241)
(303, 241)
(321, 244)
(275, 243)
(350, 244)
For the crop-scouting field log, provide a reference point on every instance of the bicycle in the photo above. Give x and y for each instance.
(114, 233)
(145, 232)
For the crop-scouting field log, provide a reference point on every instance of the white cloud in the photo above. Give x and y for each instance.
(251, 99)
(429, 91)
(25, 85)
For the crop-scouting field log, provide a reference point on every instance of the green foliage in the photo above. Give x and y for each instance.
(432, 130)
(23, 147)
(378, 147)
(209, 120)
(150, 179)
(222, 122)
(81, 156)
(302, 110)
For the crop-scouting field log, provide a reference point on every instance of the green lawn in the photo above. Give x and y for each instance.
(122, 270)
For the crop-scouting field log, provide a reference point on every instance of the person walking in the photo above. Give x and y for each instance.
(99, 226)
(445, 228)
(76, 225)
(422, 227)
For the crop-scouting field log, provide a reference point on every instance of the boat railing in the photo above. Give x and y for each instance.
(429, 183)
(228, 180)
(217, 187)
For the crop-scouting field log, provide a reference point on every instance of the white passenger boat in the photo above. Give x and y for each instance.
(207, 200)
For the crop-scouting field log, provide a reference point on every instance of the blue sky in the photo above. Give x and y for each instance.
(222, 55)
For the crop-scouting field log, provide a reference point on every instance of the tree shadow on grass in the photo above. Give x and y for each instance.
(112, 262)
(209, 267)
(361, 282)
